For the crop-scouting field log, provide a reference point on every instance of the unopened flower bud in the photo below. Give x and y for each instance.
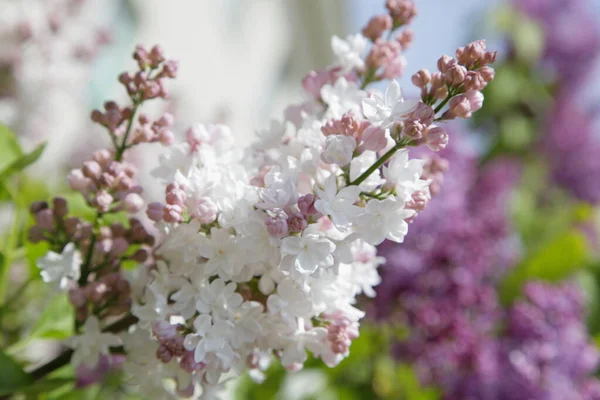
(205, 210)
(60, 207)
(474, 81)
(119, 247)
(376, 26)
(37, 206)
(402, 11)
(487, 73)
(306, 204)
(77, 298)
(424, 114)
(444, 63)
(436, 138)
(277, 226)
(133, 203)
(155, 211)
(406, 38)
(421, 78)
(475, 100)
(91, 169)
(460, 107)
(296, 222)
(103, 200)
(45, 219)
(455, 75)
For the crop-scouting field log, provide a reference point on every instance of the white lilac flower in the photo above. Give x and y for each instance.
(338, 205)
(338, 150)
(91, 343)
(61, 268)
(383, 219)
(307, 253)
(405, 174)
(342, 97)
(386, 110)
(220, 248)
(349, 51)
(218, 298)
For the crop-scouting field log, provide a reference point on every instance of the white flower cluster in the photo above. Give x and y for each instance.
(265, 249)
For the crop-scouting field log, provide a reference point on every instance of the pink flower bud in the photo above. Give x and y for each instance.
(141, 255)
(455, 75)
(155, 211)
(436, 138)
(77, 297)
(60, 207)
(133, 203)
(164, 354)
(166, 137)
(296, 222)
(103, 157)
(37, 206)
(277, 226)
(119, 247)
(414, 129)
(45, 219)
(475, 100)
(172, 213)
(103, 200)
(444, 63)
(402, 11)
(394, 68)
(460, 107)
(406, 38)
(170, 68)
(376, 26)
(91, 169)
(306, 204)
(36, 234)
(490, 57)
(424, 114)
(474, 81)
(487, 73)
(382, 53)
(421, 78)
(205, 210)
(373, 139)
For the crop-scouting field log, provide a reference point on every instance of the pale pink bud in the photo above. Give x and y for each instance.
(166, 137)
(376, 26)
(459, 106)
(119, 247)
(382, 53)
(418, 201)
(205, 210)
(45, 219)
(170, 68)
(172, 213)
(103, 200)
(394, 68)
(455, 75)
(414, 129)
(373, 139)
(164, 330)
(164, 354)
(402, 11)
(189, 364)
(77, 181)
(296, 222)
(60, 207)
(487, 73)
(406, 38)
(142, 57)
(77, 297)
(306, 204)
(444, 63)
(92, 169)
(314, 81)
(441, 93)
(166, 120)
(277, 226)
(155, 211)
(436, 138)
(475, 100)
(474, 81)
(490, 57)
(133, 203)
(424, 114)
(421, 78)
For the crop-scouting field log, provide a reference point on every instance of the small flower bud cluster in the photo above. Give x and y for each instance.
(149, 82)
(54, 222)
(385, 59)
(459, 80)
(366, 135)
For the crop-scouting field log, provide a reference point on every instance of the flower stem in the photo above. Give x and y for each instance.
(378, 163)
(121, 149)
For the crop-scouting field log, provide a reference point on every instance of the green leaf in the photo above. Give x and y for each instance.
(557, 259)
(22, 162)
(12, 376)
(9, 147)
(56, 321)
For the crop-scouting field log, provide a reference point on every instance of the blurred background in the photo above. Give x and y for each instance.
(494, 295)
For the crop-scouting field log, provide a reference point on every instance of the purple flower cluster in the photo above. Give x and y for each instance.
(572, 36)
(443, 278)
(545, 351)
(573, 149)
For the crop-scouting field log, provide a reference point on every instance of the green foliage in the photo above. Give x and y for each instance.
(10, 150)
(558, 259)
(22, 162)
(56, 321)
(12, 376)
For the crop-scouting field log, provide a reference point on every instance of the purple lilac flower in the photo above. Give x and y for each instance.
(442, 279)
(546, 353)
(572, 36)
(573, 150)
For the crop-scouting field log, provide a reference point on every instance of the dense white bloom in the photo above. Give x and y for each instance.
(349, 51)
(220, 248)
(405, 174)
(61, 268)
(91, 343)
(279, 194)
(338, 205)
(342, 97)
(306, 253)
(384, 219)
(219, 298)
(389, 108)
(338, 150)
